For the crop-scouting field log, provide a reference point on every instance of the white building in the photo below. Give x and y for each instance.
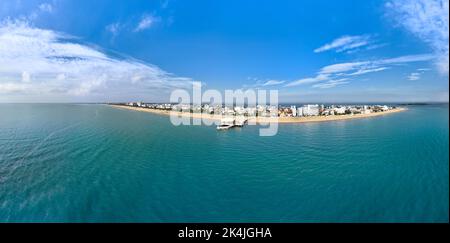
(294, 110)
(273, 111)
(239, 110)
(251, 111)
(366, 110)
(311, 110)
(340, 110)
(300, 111)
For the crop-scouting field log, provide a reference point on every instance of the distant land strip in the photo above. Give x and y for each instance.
(263, 120)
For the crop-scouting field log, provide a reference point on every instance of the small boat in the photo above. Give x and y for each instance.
(224, 127)
(226, 124)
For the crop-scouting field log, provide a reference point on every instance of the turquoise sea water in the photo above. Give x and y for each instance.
(94, 163)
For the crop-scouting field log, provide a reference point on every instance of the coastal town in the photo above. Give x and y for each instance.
(308, 110)
(227, 117)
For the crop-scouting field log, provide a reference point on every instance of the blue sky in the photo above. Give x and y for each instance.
(311, 51)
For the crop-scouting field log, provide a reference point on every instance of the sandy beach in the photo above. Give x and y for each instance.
(263, 119)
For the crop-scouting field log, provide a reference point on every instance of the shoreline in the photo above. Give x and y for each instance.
(254, 120)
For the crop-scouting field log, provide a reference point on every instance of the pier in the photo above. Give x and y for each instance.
(227, 123)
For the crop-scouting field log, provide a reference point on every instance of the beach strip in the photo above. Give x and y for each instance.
(262, 120)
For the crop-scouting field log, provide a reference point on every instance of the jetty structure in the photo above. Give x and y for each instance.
(229, 122)
(226, 123)
(240, 121)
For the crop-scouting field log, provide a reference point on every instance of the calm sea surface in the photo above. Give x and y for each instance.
(94, 163)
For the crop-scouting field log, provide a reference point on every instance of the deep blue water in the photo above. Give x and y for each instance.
(94, 163)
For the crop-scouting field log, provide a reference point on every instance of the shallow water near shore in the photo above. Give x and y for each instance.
(95, 163)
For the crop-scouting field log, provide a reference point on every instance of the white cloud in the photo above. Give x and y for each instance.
(318, 78)
(164, 4)
(414, 76)
(113, 28)
(331, 72)
(417, 75)
(374, 65)
(342, 67)
(376, 46)
(46, 7)
(367, 70)
(273, 82)
(146, 22)
(428, 20)
(331, 84)
(36, 13)
(61, 77)
(408, 58)
(346, 43)
(262, 83)
(88, 86)
(26, 77)
(46, 63)
(10, 87)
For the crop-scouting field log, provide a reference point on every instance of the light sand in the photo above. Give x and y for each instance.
(263, 119)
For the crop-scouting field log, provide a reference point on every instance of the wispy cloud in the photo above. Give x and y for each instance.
(348, 44)
(146, 22)
(414, 76)
(417, 75)
(318, 78)
(328, 74)
(365, 70)
(376, 46)
(46, 7)
(47, 63)
(331, 84)
(407, 58)
(26, 77)
(263, 83)
(273, 82)
(114, 28)
(428, 20)
(374, 65)
(39, 11)
(164, 4)
(343, 67)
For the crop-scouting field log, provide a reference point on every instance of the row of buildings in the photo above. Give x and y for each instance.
(331, 110)
(269, 111)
